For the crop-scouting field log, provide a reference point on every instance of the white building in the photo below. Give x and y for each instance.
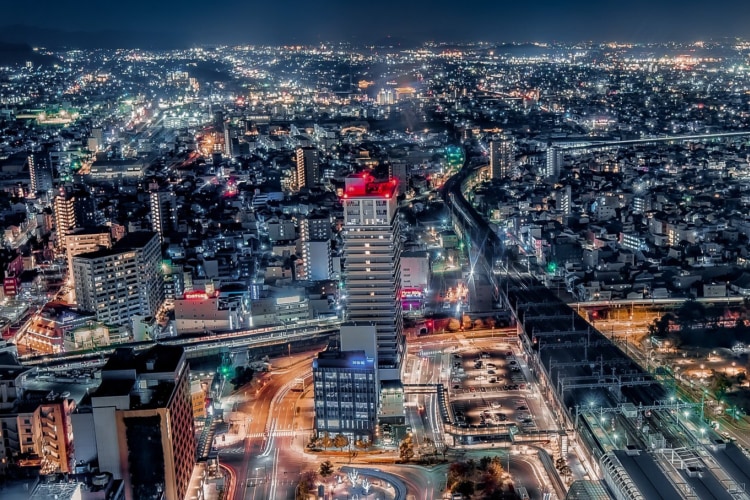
(372, 272)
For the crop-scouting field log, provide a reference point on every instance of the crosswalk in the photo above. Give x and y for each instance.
(271, 434)
(429, 353)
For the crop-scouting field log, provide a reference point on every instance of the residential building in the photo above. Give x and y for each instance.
(163, 212)
(501, 156)
(308, 167)
(122, 281)
(40, 172)
(372, 272)
(73, 207)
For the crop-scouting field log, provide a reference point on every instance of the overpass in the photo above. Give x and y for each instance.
(196, 346)
(654, 140)
(675, 301)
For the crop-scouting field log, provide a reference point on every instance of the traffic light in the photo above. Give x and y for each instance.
(551, 268)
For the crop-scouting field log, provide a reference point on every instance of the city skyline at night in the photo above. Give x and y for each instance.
(404, 251)
(189, 23)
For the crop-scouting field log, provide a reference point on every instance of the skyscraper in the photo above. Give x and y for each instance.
(372, 274)
(40, 172)
(308, 167)
(554, 162)
(73, 207)
(163, 212)
(315, 243)
(501, 156)
(122, 281)
(85, 240)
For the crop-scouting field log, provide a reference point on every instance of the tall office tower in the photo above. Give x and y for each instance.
(315, 242)
(554, 162)
(140, 423)
(308, 167)
(346, 394)
(122, 281)
(163, 212)
(73, 207)
(501, 156)
(40, 171)
(85, 240)
(372, 273)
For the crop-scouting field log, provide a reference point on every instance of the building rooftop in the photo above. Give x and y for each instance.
(365, 185)
(113, 387)
(647, 476)
(56, 491)
(334, 358)
(158, 359)
(131, 241)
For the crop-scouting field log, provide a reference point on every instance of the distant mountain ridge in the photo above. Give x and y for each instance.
(101, 39)
(19, 53)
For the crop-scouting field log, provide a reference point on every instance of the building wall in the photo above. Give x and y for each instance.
(415, 271)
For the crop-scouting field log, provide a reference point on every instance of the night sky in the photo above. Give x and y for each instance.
(296, 21)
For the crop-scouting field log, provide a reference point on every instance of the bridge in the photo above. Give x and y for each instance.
(196, 346)
(654, 140)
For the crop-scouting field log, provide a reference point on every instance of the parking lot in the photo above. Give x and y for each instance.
(488, 388)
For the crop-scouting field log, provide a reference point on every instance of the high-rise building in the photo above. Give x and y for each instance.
(139, 422)
(564, 199)
(85, 240)
(73, 207)
(163, 212)
(346, 394)
(386, 97)
(372, 273)
(554, 162)
(501, 156)
(122, 281)
(40, 171)
(308, 167)
(315, 242)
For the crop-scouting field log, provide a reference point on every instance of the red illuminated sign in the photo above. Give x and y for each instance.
(10, 286)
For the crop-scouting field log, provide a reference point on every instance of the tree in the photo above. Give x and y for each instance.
(454, 325)
(690, 313)
(340, 441)
(465, 488)
(326, 441)
(326, 469)
(406, 449)
(363, 444)
(315, 442)
(303, 489)
(720, 383)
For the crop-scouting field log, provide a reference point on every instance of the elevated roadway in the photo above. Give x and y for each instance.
(197, 346)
